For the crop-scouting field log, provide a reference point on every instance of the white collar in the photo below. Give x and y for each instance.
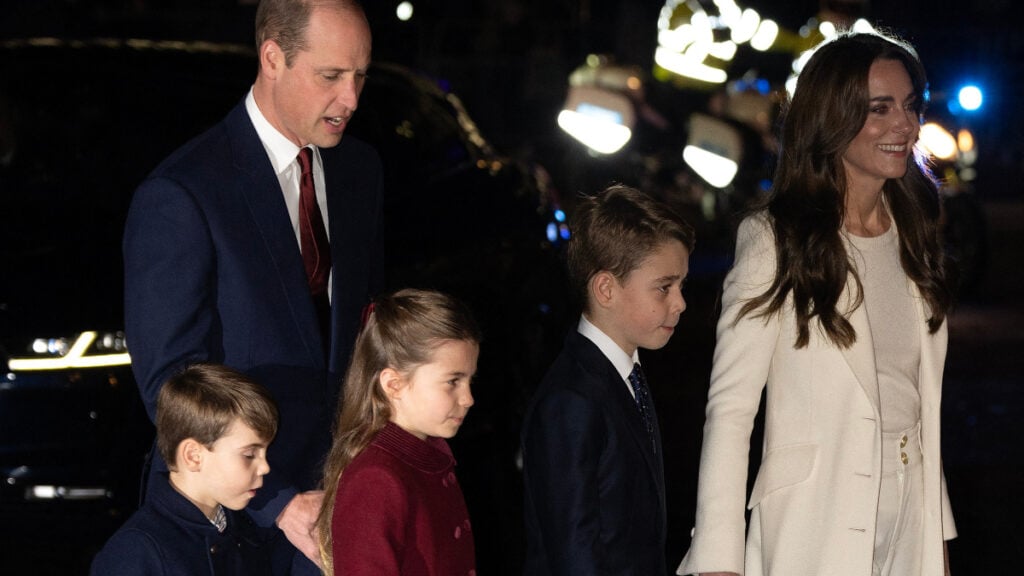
(282, 151)
(622, 362)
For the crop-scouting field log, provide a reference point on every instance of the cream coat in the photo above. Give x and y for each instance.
(815, 497)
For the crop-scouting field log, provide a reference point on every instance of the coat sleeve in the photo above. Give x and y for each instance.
(169, 268)
(743, 355)
(561, 453)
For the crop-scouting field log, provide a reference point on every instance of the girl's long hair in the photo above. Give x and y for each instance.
(401, 332)
(808, 200)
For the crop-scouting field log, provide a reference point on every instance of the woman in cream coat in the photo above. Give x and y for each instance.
(837, 304)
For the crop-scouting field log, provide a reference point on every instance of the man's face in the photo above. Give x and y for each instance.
(312, 100)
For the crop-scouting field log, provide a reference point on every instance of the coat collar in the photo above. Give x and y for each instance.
(432, 455)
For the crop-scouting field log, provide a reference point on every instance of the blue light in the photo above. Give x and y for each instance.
(564, 232)
(552, 232)
(970, 98)
(560, 215)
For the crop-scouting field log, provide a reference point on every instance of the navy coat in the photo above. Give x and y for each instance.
(170, 536)
(595, 490)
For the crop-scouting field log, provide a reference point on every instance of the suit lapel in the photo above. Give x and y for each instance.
(861, 356)
(621, 404)
(265, 202)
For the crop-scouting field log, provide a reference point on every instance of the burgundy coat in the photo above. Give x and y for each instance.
(400, 511)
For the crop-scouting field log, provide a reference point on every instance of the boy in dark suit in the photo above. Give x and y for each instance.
(213, 428)
(592, 462)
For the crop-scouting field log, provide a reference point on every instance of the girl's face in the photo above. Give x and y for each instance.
(434, 398)
(885, 143)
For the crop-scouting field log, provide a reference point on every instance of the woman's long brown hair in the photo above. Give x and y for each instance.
(807, 203)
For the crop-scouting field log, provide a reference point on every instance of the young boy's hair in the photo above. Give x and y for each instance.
(202, 401)
(614, 231)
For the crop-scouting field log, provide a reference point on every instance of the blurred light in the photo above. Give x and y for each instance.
(552, 232)
(765, 36)
(745, 28)
(76, 356)
(968, 174)
(560, 215)
(563, 231)
(827, 29)
(863, 26)
(685, 65)
(937, 141)
(404, 11)
(44, 492)
(716, 170)
(723, 50)
(599, 132)
(970, 98)
(965, 140)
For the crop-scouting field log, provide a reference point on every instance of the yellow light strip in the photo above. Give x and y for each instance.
(75, 358)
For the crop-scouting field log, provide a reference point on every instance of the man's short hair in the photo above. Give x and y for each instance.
(203, 400)
(286, 21)
(615, 230)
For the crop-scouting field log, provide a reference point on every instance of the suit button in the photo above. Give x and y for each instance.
(903, 457)
(903, 442)
(213, 549)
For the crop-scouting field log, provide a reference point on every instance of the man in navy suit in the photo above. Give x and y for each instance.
(592, 462)
(214, 248)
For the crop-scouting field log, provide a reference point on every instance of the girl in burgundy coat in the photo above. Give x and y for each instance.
(393, 505)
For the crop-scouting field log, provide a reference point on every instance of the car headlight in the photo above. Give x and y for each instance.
(86, 350)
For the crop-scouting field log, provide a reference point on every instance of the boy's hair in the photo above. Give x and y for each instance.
(402, 332)
(615, 230)
(202, 401)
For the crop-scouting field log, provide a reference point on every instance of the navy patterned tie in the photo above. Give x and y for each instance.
(643, 401)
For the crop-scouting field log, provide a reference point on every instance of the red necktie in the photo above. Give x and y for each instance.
(316, 251)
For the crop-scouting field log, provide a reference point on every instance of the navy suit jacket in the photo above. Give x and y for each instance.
(213, 273)
(169, 535)
(594, 488)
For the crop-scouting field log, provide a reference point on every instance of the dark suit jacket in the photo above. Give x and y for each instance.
(213, 273)
(595, 491)
(169, 535)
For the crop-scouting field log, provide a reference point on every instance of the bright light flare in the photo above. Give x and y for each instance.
(970, 98)
(716, 170)
(685, 65)
(937, 141)
(765, 36)
(599, 133)
(404, 11)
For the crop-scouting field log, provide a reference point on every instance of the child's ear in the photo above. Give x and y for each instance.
(190, 455)
(391, 382)
(602, 287)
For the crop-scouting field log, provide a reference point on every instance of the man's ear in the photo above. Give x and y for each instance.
(391, 382)
(602, 288)
(272, 58)
(190, 455)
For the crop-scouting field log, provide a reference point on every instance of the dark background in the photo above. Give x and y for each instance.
(509, 62)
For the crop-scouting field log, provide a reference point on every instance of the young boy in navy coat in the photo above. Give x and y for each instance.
(592, 462)
(213, 425)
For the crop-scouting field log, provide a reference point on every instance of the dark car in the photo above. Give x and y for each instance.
(82, 123)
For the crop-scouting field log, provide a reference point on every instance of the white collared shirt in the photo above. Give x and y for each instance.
(283, 154)
(622, 362)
